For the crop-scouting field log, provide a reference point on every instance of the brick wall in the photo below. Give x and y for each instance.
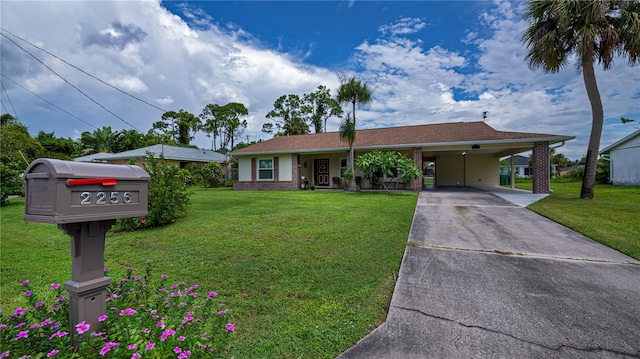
(417, 160)
(541, 167)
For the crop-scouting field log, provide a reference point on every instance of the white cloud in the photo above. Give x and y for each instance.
(143, 48)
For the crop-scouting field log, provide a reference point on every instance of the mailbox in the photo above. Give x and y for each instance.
(63, 192)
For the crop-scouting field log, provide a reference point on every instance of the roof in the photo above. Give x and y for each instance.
(169, 153)
(519, 160)
(620, 142)
(395, 137)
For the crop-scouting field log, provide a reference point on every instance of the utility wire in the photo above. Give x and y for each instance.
(49, 102)
(86, 73)
(8, 98)
(69, 83)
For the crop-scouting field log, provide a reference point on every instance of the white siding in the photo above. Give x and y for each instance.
(483, 171)
(244, 168)
(450, 171)
(625, 163)
(284, 164)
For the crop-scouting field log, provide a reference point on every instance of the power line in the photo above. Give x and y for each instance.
(49, 102)
(9, 98)
(86, 73)
(69, 83)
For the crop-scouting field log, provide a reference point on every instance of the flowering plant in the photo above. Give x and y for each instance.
(145, 319)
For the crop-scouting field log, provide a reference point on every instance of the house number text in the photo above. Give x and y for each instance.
(103, 198)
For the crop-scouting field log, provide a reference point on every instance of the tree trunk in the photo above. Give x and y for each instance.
(589, 76)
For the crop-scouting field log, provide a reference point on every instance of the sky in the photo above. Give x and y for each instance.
(427, 61)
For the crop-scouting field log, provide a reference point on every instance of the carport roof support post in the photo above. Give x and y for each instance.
(541, 164)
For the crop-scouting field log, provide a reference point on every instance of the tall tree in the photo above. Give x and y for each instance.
(101, 140)
(593, 30)
(347, 133)
(58, 147)
(319, 106)
(288, 116)
(181, 124)
(224, 121)
(354, 91)
(233, 125)
(211, 115)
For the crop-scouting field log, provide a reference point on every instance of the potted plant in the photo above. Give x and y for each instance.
(313, 186)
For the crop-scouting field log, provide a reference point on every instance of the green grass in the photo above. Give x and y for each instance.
(611, 218)
(305, 274)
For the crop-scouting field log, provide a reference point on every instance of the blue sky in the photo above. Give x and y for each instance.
(428, 61)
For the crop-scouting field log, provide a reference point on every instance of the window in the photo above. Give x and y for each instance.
(343, 166)
(265, 169)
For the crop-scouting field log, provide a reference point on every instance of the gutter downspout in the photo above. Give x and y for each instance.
(513, 173)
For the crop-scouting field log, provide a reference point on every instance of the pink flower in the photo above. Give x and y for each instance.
(167, 333)
(19, 311)
(39, 304)
(187, 319)
(24, 282)
(184, 354)
(128, 311)
(144, 221)
(28, 293)
(106, 269)
(22, 335)
(164, 276)
(160, 325)
(136, 356)
(132, 346)
(102, 318)
(222, 312)
(177, 350)
(82, 327)
(58, 334)
(212, 294)
(230, 327)
(54, 286)
(137, 278)
(55, 325)
(150, 346)
(52, 353)
(149, 260)
(181, 338)
(4, 355)
(108, 347)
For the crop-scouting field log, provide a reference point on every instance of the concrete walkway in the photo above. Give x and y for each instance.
(483, 277)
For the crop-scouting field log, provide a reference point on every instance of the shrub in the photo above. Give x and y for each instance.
(168, 195)
(212, 174)
(145, 318)
(11, 183)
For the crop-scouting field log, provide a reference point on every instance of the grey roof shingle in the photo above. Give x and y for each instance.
(169, 153)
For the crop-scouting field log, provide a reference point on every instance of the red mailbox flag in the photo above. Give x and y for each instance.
(81, 182)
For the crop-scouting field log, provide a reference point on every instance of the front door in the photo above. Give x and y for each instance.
(321, 170)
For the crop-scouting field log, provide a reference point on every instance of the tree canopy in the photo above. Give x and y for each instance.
(592, 31)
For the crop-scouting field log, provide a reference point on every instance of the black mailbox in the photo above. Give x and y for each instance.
(70, 192)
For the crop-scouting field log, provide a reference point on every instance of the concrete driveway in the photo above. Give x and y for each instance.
(482, 277)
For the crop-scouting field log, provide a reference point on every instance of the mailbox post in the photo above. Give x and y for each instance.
(84, 200)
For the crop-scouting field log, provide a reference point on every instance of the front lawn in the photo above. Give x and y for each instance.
(306, 274)
(611, 218)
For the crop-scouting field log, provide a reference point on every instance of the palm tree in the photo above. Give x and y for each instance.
(593, 30)
(354, 91)
(347, 133)
(101, 140)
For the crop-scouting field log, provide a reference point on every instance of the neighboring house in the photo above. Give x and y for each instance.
(179, 156)
(521, 166)
(462, 153)
(624, 162)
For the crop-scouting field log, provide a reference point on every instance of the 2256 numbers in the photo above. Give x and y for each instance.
(102, 198)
